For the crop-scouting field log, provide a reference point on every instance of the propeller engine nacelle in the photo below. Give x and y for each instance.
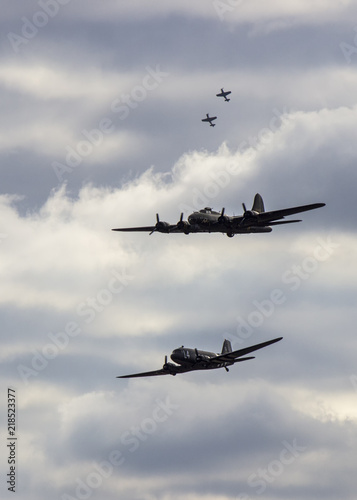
(161, 226)
(223, 219)
(170, 367)
(249, 214)
(183, 225)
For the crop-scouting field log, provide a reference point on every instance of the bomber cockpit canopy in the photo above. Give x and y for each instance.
(207, 210)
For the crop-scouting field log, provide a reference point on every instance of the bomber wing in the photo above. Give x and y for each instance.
(170, 228)
(145, 228)
(234, 355)
(273, 217)
(160, 227)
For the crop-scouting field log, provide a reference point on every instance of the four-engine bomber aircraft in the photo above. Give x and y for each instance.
(209, 119)
(224, 94)
(209, 221)
(187, 360)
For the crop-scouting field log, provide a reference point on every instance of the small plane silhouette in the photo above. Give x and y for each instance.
(188, 359)
(224, 94)
(210, 119)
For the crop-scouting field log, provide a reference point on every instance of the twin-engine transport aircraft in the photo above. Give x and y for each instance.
(188, 360)
(210, 119)
(209, 221)
(224, 94)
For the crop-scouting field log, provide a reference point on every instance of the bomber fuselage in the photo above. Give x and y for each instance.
(214, 221)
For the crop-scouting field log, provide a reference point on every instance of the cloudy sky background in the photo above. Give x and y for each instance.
(101, 107)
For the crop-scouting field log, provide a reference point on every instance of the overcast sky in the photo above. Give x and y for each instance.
(101, 106)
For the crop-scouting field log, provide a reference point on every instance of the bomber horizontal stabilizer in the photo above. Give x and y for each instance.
(277, 223)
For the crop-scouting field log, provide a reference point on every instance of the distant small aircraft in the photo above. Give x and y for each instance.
(224, 94)
(207, 220)
(188, 359)
(210, 119)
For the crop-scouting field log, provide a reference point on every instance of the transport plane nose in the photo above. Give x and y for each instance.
(176, 355)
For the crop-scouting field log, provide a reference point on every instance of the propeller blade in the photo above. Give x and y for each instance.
(180, 223)
(166, 359)
(244, 207)
(157, 222)
(224, 219)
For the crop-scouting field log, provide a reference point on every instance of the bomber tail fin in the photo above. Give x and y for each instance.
(227, 347)
(258, 204)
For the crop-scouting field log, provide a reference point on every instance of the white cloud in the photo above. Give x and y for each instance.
(48, 82)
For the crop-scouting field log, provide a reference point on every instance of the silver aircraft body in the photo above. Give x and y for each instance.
(256, 220)
(188, 359)
(210, 119)
(224, 94)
